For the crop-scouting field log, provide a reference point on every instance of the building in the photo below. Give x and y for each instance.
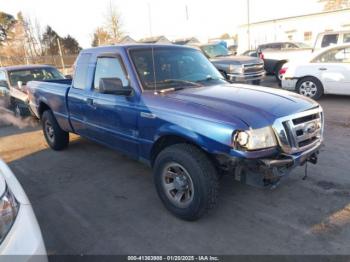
(303, 28)
(155, 40)
(127, 40)
(186, 41)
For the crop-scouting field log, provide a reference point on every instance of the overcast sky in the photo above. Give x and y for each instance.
(207, 18)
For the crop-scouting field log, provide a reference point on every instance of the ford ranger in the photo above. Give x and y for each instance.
(169, 107)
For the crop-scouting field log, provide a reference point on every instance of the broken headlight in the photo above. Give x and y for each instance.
(255, 139)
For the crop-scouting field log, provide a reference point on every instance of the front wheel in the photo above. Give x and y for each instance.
(186, 181)
(56, 138)
(310, 87)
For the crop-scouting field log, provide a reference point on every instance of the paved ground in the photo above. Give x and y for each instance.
(91, 200)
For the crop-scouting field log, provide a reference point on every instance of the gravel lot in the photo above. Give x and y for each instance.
(91, 200)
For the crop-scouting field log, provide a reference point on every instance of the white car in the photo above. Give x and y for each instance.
(20, 234)
(325, 72)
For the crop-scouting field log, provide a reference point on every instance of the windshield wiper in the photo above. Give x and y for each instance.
(169, 81)
(209, 78)
(171, 89)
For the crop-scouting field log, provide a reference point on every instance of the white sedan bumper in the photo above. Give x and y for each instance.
(24, 239)
(289, 84)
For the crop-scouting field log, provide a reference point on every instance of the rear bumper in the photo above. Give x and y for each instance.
(246, 77)
(289, 84)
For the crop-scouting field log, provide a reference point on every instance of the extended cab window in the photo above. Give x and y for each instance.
(109, 67)
(329, 40)
(81, 70)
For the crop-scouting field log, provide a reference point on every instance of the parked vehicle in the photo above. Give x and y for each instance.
(169, 107)
(234, 68)
(331, 38)
(19, 231)
(275, 55)
(13, 80)
(326, 72)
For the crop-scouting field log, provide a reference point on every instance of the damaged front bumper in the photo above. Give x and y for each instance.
(265, 172)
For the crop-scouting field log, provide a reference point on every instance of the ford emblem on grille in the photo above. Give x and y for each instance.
(310, 128)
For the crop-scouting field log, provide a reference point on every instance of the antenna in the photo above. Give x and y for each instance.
(154, 72)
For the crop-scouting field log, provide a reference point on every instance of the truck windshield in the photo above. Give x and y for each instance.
(173, 67)
(216, 50)
(36, 74)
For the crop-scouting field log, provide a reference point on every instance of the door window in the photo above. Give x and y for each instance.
(109, 67)
(329, 39)
(3, 81)
(337, 55)
(346, 38)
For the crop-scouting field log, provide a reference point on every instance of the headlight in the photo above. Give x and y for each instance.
(8, 212)
(255, 139)
(236, 69)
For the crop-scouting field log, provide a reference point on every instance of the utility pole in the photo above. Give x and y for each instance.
(248, 23)
(149, 19)
(61, 55)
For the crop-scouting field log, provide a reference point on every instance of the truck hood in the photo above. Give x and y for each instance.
(255, 106)
(235, 60)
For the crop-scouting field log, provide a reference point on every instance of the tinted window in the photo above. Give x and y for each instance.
(338, 55)
(81, 70)
(213, 51)
(35, 74)
(329, 39)
(109, 67)
(173, 66)
(2, 76)
(3, 81)
(346, 38)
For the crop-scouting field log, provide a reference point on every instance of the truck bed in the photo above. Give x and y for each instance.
(52, 93)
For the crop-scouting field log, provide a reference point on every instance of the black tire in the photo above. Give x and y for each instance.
(20, 109)
(256, 82)
(55, 137)
(310, 87)
(277, 72)
(203, 176)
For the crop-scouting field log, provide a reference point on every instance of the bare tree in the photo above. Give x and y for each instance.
(114, 25)
(330, 5)
(100, 37)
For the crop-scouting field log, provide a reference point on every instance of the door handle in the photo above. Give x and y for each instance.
(322, 69)
(90, 102)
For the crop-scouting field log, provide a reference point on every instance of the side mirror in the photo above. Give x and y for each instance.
(68, 76)
(113, 86)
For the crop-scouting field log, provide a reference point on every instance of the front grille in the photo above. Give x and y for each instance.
(253, 68)
(301, 131)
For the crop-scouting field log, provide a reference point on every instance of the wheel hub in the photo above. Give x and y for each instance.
(177, 185)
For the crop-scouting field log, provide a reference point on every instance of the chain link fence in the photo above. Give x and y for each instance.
(64, 63)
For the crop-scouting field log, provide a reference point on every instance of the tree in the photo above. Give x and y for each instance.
(114, 24)
(7, 23)
(225, 36)
(330, 5)
(100, 37)
(70, 45)
(49, 40)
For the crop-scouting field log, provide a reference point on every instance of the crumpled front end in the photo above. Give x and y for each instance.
(299, 137)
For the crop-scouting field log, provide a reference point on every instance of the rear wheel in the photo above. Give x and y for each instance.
(56, 138)
(256, 82)
(310, 87)
(186, 181)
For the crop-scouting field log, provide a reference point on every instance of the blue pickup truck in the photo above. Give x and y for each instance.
(169, 107)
